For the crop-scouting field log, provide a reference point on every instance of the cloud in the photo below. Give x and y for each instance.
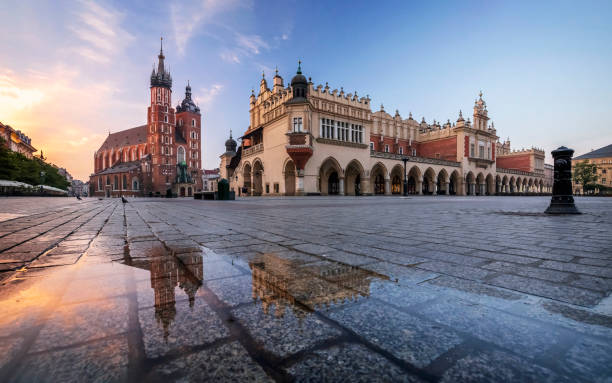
(99, 32)
(206, 95)
(243, 46)
(190, 16)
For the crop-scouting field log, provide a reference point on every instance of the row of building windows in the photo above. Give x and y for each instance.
(116, 185)
(400, 150)
(341, 131)
(481, 151)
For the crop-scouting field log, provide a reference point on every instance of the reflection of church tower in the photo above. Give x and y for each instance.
(164, 274)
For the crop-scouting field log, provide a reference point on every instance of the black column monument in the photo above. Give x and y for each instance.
(562, 201)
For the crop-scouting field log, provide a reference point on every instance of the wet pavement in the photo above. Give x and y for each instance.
(306, 289)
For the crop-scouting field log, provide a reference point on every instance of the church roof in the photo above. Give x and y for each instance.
(606, 151)
(128, 137)
(121, 167)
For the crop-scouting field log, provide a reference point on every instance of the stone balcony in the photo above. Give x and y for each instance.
(253, 150)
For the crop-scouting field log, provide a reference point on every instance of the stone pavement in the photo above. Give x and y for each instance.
(318, 289)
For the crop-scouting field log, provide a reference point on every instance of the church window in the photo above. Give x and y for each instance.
(134, 183)
(166, 109)
(297, 124)
(371, 145)
(193, 122)
(386, 148)
(401, 150)
(165, 118)
(116, 183)
(108, 180)
(125, 184)
(180, 155)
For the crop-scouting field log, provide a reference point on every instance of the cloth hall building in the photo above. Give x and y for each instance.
(311, 140)
(163, 156)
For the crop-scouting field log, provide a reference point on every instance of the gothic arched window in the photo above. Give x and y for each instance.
(180, 155)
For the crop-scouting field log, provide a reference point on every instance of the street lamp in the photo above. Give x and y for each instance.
(405, 176)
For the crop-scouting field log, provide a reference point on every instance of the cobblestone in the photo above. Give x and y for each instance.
(281, 289)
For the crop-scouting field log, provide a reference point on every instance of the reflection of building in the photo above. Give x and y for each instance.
(17, 141)
(283, 282)
(601, 157)
(167, 272)
(162, 155)
(307, 139)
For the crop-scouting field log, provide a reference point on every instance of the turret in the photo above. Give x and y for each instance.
(278, 83)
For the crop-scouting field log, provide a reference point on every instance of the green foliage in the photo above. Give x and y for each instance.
(17, 167)
(586, 174)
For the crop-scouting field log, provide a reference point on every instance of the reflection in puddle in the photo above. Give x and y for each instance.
(304, 287)
(169, 271)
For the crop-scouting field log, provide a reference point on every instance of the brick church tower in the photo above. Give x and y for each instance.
(160, 124)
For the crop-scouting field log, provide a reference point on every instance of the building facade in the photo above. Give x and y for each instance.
(159, 158)
(602, 158)
(307, 140)
(17, 141)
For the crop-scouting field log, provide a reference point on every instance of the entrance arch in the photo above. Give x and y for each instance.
(397, 179)
(246, 174)
(414, 180)
(289, 178)
(182, 191)
(442, 182)
(257, 178)
(470, 184)
(377, 178)
(480, 184)
(330, 173)
(429, 181)
(453, 185)
(352, 177)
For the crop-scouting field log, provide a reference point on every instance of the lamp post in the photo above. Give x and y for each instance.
(405, 176)
(562, 201)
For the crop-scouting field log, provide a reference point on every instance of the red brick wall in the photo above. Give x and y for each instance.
(516, 162)
(393, 147)
(467, 147)
(446, 148)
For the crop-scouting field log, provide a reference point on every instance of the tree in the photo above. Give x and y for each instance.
(586, 174)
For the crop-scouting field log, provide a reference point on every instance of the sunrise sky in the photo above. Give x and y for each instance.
(71, 71)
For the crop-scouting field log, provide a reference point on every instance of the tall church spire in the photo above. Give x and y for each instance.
(161, 77)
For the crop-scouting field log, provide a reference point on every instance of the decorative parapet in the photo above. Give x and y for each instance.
(521, 172)
(423, 160)
(341, 143)
(252, 150)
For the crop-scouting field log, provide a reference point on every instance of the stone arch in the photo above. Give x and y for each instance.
(330, 174)
(470, 183)
(258, 170)
(354, 176)
(247, 172)
(541, 186)
(289, 172)
(480, 184)
(397, 180)
(490, 184)
(442, 182)
(504, 187)
(429, 181)
(453, 184)
(414, 180)
(379, 179)
(530, 185)
(519, 183)
(189, 191)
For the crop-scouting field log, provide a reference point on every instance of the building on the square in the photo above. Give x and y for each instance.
(78, 188)
(549, 177)
(17, 141)
(163, 156)
(210, 178)
(312, 140)
(601, 157)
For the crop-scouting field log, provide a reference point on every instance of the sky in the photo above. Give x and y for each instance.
(73, 71)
